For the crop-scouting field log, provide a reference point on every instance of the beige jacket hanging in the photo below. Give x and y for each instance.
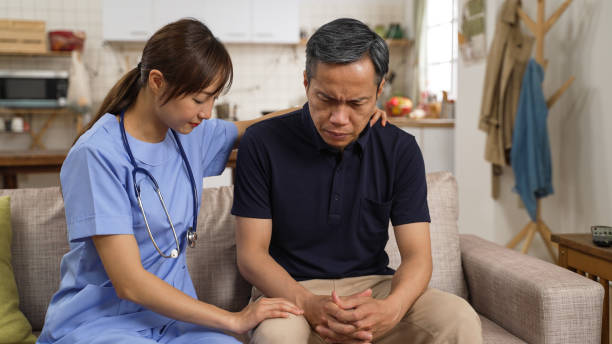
(508, 57)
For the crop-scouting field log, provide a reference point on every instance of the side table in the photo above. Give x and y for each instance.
(578, 253)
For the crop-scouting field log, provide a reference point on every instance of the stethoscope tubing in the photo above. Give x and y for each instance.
(191, 233)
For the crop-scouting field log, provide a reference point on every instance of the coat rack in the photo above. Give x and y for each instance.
(539, 29)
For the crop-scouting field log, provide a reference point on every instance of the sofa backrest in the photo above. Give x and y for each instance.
(40, 241)
(442, 198)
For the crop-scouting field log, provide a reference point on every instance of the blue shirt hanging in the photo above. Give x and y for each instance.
(530, 154)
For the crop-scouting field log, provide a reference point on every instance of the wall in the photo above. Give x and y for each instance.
(579, 129)
(267, 77)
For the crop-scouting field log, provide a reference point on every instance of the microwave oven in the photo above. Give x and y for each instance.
(33, 88)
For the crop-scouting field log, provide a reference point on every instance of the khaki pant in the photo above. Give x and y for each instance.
(435, 317)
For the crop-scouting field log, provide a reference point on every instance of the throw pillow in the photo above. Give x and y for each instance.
(14, 327)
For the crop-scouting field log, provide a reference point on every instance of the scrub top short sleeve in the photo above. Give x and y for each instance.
(95, 199)
(219, 138)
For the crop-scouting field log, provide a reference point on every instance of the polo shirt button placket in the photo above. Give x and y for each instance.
(335, 207)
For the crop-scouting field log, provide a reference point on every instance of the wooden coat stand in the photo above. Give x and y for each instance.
(539, 29)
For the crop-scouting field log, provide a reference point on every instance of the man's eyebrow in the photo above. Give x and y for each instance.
(321, 93)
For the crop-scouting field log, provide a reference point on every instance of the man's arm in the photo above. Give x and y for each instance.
(409, 282)
(412, 276)
(260, 269)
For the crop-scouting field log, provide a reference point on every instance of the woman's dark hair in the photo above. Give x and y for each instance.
(344, 41)
(186, 53)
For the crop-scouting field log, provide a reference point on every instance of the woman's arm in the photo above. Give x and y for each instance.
(243, 125)
(121, 258)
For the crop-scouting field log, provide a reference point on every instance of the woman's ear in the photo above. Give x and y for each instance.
(156, 82)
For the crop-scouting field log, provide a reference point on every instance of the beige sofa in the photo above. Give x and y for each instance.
(520, 298)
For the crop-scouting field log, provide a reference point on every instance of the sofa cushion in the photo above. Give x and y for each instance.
(212, 263)
(447, 272)
(39, 242)
(495, 334)
(14, 327)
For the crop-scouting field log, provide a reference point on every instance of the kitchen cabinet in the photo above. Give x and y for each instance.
(229, 22)
(165, 11)
(127, 20)
(275, 21)
(232, 21)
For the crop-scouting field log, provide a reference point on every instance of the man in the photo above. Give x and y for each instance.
(314, 193)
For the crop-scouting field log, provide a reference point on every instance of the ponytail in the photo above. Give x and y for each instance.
(119, 98)
(190, 59)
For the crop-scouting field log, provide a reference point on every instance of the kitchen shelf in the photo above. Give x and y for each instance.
(422, 123)
(4, 132)
(51, 113)
(35, 111)
(44, 54)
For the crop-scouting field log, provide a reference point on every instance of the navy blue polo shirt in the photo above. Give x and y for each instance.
(330, 210)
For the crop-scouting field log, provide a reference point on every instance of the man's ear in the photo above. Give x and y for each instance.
(156, 82)
(380, 88)
(305, 81)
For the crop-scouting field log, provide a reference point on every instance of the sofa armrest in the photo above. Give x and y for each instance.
(536, 301)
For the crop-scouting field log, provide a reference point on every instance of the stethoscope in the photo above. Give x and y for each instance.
(191, 232)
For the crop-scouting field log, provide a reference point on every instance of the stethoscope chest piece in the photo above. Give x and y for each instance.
(192, 237)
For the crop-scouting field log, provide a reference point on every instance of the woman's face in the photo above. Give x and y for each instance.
(186, 112)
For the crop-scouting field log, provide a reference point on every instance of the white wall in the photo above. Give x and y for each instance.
(579, 128)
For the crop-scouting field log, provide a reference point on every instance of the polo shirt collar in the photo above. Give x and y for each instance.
(318, 141)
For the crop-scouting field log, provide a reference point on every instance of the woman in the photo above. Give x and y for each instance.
(125, 278)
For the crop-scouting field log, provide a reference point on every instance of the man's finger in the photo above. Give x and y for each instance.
(341, 328)
(335, 312)
(365, 324)
(352, 301)
(344, 315)
(348, 330)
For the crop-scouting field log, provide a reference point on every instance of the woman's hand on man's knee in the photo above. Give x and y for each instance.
(262, 309)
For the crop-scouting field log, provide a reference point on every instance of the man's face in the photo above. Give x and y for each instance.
(341, 99)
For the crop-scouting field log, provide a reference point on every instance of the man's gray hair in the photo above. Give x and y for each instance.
(344, 41)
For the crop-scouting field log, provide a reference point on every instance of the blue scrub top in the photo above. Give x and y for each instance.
(99, 199)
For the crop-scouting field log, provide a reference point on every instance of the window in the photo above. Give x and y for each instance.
(440, 48)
